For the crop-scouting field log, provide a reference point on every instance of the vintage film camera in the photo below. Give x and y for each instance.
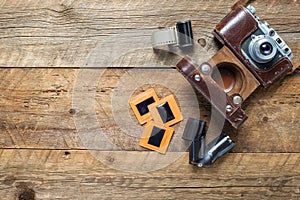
(253, 54)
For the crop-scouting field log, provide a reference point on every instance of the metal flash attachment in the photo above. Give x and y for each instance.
(199, 154)
(223, 145)
(181, 35)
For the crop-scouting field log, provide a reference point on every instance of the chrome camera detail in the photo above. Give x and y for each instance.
(264, 47)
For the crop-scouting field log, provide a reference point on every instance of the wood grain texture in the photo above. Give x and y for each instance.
(40, 113)
(64, 33)
(51, 97)
(79, 176)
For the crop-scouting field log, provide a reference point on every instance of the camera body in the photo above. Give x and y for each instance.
(252, 54)
(255, 44)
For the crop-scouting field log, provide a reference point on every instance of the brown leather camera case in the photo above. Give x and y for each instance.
(190, 70)
(228, 73)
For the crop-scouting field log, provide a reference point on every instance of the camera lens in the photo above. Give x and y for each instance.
(262, 48)
(266, 48)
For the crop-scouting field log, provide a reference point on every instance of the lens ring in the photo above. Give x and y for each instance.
(262, 49)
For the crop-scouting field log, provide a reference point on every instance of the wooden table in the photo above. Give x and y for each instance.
(47, 45)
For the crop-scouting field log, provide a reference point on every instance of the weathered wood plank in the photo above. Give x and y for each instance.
(44, 112)
(39, 106)
(53, 174)
(64, 33)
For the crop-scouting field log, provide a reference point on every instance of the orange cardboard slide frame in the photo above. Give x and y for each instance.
(140, 103)
(156, 137)
(165, 111)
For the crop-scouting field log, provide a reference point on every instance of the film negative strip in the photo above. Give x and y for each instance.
(181, 35)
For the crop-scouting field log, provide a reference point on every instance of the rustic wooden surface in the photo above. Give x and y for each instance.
(45, 46)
